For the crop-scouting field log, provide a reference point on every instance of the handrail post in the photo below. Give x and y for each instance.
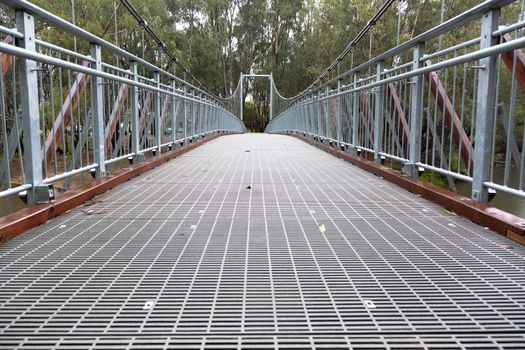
(174, 113)
(97, 100)
(271, 96)
(310, 122)
(378, 115)
(205, 120)
(485, 101)
(319, 115)
(135, 132)
(416, 115)
(198, 111)
(355, 117)
(327, 127)
(295, 126)
(299, 119)
(216, 119)
(203, 116)
(200, 114)
(302, 116)
(185, 121)
(39, 193)
(193, 114)
(241, 103)
(158, 141)
(339, 114)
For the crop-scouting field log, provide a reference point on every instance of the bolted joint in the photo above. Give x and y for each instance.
(137, 158)
(477, 196)
(412, 170)
(353, 150)
(44, 194)
(40, 194)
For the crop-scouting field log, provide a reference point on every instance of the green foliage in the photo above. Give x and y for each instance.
(434, 178)
(294, 39)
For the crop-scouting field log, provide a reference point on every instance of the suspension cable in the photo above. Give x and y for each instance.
(351, 46)
(133, 11)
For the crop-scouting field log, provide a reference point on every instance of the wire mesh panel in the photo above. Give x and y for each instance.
(279, 246)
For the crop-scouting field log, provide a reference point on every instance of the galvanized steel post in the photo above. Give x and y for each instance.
(327, 127)
(318, 115)
(339, 114)
(355, 116)
(378, 114)
(174, 114)
(271, 96)
(193, 115)
(185, 122)
(158, 141)
(416, 114)
(97, 100)
(241, 102)
(25, 23)
(485, 108)
(134, 97)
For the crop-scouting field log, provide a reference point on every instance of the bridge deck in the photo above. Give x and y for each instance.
(261, 241)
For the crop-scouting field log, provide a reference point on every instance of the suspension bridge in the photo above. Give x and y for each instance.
(138, 213)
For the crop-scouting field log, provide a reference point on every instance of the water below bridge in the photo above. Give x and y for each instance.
(261, 241)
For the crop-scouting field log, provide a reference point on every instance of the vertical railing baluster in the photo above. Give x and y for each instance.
(28, 70)
(416, 114)
(327, 127)
(355, 116)
(193, 114)
(241, 102)
(485, 100)
(319, 115)
(157, 106)
(97, 100)
(339, 114)
(174, 113)
(185, 121)
(378, 114)
(271, 96)
(135, 127)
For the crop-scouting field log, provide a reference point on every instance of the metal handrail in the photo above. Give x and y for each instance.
(457, 100)
(97, 138)
(93, 39)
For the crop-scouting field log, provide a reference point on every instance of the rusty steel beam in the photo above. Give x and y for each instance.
(508, 59)
(5, 59)
(369, 121)
(348, 107)
(64, 116)
(118, 106)
(145, 111)
(399, 110)
(164, 112)
(458, 133)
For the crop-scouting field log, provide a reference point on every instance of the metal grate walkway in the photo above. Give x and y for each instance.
(261, 241)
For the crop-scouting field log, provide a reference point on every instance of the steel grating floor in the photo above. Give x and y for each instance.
(261, 241)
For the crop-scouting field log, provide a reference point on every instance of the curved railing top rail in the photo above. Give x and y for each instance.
(455, 111)
(61, 23)
(57, 126)
(445, 27)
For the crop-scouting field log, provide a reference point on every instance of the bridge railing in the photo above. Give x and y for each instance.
(67, 114)
(456, 111)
